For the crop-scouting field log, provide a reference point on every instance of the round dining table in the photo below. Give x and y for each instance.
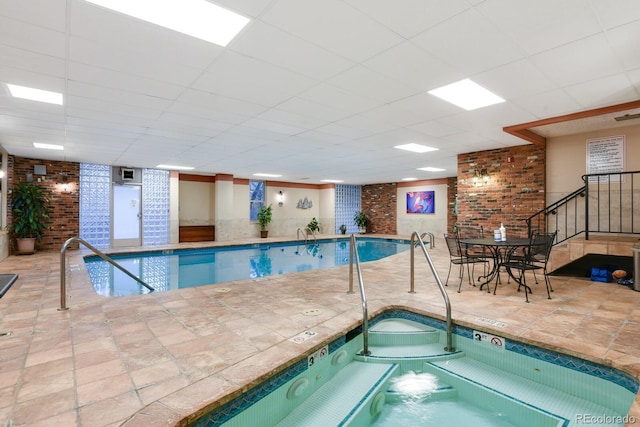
(500, 251)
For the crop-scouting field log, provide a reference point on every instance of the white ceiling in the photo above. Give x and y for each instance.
(309, 89)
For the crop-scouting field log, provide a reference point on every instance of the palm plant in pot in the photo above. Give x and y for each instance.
(29, 204)
(362, 221)
(264, 219)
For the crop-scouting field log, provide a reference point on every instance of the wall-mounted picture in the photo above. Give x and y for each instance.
(421, 202)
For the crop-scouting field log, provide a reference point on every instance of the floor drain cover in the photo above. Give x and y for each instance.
(223, 289)
(312, 312)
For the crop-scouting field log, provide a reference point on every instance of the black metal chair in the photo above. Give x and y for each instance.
(533, 257)
(457, 257)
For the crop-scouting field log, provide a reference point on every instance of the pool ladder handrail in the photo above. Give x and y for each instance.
(432, 239)
(353, 256)
(63, 269)
(415, 240)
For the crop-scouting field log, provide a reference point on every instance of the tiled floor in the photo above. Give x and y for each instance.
(155, 360)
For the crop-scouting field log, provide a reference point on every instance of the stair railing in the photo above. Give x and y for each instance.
(607, 203)
(355, 259)
(417, 240)
(63, 269)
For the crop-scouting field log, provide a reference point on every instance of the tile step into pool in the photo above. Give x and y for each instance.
(409, 379)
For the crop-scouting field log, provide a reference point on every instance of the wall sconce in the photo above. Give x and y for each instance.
(481, 178)
(64, 180)
(280, 198)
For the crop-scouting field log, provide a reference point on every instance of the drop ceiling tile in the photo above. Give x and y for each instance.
(603, 92)
(583, 60)
(252, 80)
(352, 34)
(625, 43)
(413, 17)
(123, 81)
(279, 48)
(480, 47)
(292, 119)
(32, 38)
(413, 67)
(338, 99)
(367, 83)
(312, 110)
(541, 25)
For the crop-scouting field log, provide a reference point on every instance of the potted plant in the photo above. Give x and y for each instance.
(313, 226)
(343, 229)
(29, 204)
(264, 219)
(362, 221)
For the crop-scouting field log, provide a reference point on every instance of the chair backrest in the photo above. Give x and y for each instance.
(453, 244)
(543, 244)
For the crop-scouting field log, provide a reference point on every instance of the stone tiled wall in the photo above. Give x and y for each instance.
(64, 209)
(378, 202)
(515, 191)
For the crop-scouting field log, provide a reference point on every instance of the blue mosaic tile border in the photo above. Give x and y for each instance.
(599, 371)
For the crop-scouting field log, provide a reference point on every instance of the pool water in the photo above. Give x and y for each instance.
(450, 412)
(168, 270)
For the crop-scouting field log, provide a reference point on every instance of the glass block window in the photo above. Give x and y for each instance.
(155, 207)
(256, 198)
(347, 204)
(95, 204)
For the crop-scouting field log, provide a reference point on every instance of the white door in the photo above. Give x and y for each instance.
(127, 216)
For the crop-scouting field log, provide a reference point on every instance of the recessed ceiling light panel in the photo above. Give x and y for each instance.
(35, 94)
(176, 168)
(416, 148)
(48, 146)
(335, 181)
(196, 18)
(267, 175)
(431, 169)
(466, 94)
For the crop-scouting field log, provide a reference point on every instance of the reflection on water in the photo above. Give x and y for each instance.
(415, 387)
(186, 268)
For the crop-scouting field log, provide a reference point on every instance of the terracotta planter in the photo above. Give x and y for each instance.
(26, 245)
(264, 233)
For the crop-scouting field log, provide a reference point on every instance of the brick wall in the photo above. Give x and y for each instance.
(64, 210)
(452, 190)
(379, 203)
(515, 191)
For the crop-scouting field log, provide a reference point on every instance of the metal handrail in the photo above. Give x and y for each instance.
(304, 235)
(353, 255)
(63, 269)
(415, 238)
(432, 239)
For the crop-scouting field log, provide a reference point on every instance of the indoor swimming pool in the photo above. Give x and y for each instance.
(184, 268)
(409, 379)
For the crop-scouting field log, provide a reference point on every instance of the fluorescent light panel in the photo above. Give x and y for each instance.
(175, 168)
(267, 175)
(335, 181)
(416, 148)
(409, 179)
(196, 18)
(467, 94)
(48, 146)
(431, 169)
(35, 94)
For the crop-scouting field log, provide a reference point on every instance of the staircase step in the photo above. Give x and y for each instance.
(465, 373)
(392, 332)
(336, 402)
(400, 353)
